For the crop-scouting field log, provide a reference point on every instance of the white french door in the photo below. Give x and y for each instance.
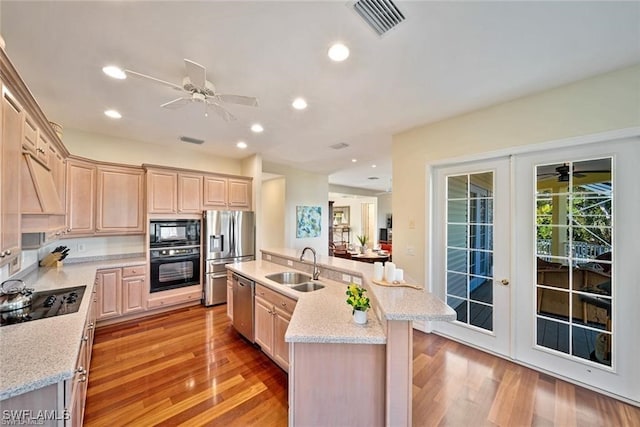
(567, 222)
(471, 251)
(576, 281)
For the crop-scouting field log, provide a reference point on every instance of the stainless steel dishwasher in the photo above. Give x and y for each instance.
(243, 301)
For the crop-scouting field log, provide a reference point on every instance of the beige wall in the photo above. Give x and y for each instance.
(272, 213)
(603, 103)
(132, 152)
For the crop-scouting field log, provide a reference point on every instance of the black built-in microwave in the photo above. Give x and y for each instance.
(176, 232)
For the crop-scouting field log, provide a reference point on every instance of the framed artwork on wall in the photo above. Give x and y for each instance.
(308, 221)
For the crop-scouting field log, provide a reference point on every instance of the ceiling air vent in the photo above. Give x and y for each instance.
(381, 15)
(191, 140)
(339, 146)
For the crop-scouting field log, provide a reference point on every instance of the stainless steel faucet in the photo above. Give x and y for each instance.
(316, 270)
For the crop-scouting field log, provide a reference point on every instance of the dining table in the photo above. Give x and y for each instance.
(370, 257)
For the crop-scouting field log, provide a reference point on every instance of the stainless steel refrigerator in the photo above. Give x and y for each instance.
(229, 236)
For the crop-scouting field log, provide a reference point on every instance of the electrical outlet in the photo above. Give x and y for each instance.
(81, 247)
(356, 280)
(290, 263)
(346, 278)
(411, 251)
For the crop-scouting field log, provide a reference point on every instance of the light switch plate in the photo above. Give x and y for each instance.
(356, 280)
(346, 278)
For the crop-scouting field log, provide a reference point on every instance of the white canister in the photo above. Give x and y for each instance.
(389, 272)
(399, 275)
(378, 271)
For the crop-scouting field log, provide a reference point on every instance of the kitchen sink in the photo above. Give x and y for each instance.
(308, 287)
(289, 277)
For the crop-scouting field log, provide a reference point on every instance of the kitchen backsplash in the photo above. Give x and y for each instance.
(83, 249)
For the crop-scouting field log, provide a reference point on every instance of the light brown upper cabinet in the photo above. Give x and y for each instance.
(239, 196)
(120, 200)
(232, 193)
(104, 198)
(162, 191)
(81, 184)
(189, 193)
(174, 191)
(215, 192)
(10, 152)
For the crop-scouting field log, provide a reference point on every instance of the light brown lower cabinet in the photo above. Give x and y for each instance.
(121, 291)
(272, 315)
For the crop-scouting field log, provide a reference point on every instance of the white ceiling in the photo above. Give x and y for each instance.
(447, 58)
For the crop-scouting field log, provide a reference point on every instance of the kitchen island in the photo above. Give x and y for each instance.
(341, 373)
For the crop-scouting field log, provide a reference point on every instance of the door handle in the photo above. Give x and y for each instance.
(504, 282)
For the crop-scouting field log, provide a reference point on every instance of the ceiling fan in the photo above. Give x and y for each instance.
(198, 89)
(563, 173)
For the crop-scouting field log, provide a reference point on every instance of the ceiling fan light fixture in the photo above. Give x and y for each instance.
(338, 52)
(299, 104)
(113, 114)
(257, 128)
(114, 72)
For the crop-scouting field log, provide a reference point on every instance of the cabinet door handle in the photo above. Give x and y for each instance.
(83, 379)
(85, 338)
(284, 304)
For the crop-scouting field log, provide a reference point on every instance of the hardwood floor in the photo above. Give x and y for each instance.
(190, 367)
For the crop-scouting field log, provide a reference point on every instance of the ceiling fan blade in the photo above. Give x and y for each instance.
(176, 103)
(196, 73)
(238, 99)
(144, 76)
(221, 111)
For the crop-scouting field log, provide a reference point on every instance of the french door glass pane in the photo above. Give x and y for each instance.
(574, 229)
(470, 248)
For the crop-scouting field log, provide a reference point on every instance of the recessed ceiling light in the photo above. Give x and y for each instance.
(354, 160)
(338, 52)
(115, 72)
(374, 166)
(299, 104)
(257, 127)
(113, 114)
(241, 144)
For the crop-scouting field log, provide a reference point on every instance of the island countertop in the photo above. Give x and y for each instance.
(396, 303)
(43, 352)
(323, 315)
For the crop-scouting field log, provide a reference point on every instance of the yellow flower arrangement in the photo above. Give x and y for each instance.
(356, 298)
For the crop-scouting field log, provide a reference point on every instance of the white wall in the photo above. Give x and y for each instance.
(132, 152)
(602, 103)
(273, 213)
(303, 189)
(385, 208)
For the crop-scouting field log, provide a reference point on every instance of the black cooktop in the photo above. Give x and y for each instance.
(46, 304)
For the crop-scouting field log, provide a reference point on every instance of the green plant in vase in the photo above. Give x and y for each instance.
(359, 302)
(363, 239)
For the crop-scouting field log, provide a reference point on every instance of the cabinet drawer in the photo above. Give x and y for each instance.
(277, 299)
(163, 301)
(136, 270)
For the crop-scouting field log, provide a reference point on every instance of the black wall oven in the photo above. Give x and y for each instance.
(174, 254)
(174, 268)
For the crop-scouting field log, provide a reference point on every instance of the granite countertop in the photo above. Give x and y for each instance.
(397, 303)
(320, 316)
(43, 352)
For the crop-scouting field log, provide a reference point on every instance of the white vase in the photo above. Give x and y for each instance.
(360, 317)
